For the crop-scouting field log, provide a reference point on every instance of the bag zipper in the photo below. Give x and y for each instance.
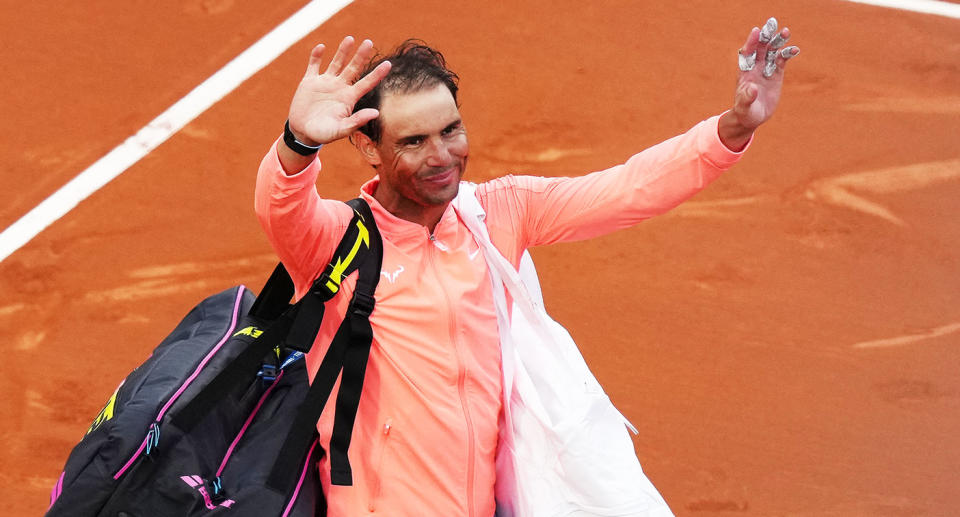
(152, 439)
(246, 424)
(216, 483)
(57, 490)
(303, 475)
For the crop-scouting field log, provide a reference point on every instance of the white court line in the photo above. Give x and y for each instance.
(225, 80)
(215, 88)
(921, 6)
(911, 338)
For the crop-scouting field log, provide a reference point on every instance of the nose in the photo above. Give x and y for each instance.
(438, 153)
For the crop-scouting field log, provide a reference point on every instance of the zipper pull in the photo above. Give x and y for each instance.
(267, 374)
(292, 358)
(153, 438)
(217, 495)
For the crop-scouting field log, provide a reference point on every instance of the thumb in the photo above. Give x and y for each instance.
(746, 94)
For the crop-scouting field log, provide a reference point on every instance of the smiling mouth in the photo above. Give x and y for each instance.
(441, 177)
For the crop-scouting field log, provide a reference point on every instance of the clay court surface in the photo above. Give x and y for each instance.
(787, 342)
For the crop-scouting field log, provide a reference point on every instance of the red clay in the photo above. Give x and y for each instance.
(750, 335)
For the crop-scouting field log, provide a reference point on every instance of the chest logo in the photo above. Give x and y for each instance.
(392, 277)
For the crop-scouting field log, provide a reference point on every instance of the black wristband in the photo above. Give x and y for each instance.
(296, 145)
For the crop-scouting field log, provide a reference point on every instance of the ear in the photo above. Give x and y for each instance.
(367, 147)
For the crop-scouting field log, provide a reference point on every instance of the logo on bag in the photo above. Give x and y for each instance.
(253, 332)
(106, 413)
(197, 483)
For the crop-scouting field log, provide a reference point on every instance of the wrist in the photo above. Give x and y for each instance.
(298, 145)
(733, 134)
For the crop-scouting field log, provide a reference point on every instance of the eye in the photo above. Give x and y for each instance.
(451, 128)
(413, 141)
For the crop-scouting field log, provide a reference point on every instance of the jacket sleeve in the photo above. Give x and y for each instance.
(526, 211)
(303, 228)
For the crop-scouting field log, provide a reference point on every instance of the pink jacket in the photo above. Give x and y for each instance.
(425, 437)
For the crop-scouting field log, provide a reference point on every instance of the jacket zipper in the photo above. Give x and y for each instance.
(375, 493)
(153, 434)
(461, 383)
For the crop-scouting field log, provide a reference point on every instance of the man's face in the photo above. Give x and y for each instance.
(423, 149)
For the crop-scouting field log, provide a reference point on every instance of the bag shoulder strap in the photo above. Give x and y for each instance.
(360, 243)
(348, 352)
(273, 311)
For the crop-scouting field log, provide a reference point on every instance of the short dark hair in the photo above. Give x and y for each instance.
(414, 66)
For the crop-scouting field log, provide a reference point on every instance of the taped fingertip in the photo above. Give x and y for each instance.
(746, 63)
(789, 52)
(769, 29)
(769, 69)
(779, 40)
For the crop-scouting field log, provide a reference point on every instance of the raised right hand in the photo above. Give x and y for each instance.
(322, 107)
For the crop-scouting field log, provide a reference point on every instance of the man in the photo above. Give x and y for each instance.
(425, 437)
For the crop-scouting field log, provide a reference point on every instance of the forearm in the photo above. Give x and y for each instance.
(650, 183)
(298, 223)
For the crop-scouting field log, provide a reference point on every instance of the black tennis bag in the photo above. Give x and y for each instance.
(221, 419)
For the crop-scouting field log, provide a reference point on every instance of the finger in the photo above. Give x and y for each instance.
(770, 64)
(359, 61)
(789, 52)
(785, 54)
(340, 58)
(768, 30)
(747, 55)
(369, 81)
(358, 119)
(750, 45)
(313, 66)
(772, 59)
(780, 39)
(746, 62)
(777, 59)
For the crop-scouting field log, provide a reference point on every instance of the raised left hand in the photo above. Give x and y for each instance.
(758, 88)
